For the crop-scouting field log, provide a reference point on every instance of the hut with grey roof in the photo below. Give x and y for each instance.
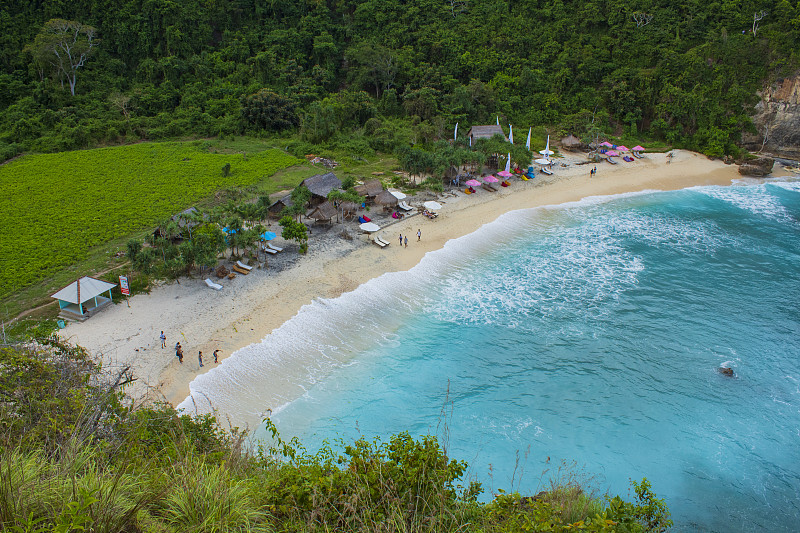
(484, 132)
(323, 212)
(320, 185)
(278, 206)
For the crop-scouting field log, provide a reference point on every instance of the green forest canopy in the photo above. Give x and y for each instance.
(379, 74)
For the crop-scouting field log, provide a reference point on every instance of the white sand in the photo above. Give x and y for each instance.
(249, 307)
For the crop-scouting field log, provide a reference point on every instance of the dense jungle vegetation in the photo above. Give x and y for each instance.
(366, 75)
(74, 456)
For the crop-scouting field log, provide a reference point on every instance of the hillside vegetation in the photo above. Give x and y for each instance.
(73, 457)
(369, 75)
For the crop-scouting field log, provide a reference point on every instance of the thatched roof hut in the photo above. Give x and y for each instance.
(324, 211)
(369, 189)
(320, 185)
(484, 132)
(277, 207)
(183, 222)
(386, 198)
(571, 143)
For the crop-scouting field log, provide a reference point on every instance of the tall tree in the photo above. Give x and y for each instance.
(64, 46)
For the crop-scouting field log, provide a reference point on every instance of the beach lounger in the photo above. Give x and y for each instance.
(637, 155)
(547, 171)
(273, 247)
(242, 265)
(215, 286)
(384, 241)
(378, 241)
(240, 270)
(404, 206)
(488, 187)
(611, 160)
(269, 250)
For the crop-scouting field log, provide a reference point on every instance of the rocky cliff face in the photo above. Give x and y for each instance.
(778, 115)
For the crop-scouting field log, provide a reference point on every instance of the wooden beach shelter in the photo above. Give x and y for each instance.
(83, 298)
(320, 185)
(323, 212)
(484, 132)
(278, 206)
(386, 199)
(571, 142)
(370, 189)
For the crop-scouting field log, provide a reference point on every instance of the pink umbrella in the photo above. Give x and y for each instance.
(638, 148)
(504, 174)
(473, 183)
(622, 148)
(606, 143)
(490, 179)
(612, 153)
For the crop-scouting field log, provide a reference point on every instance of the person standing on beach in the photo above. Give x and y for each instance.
(401, 239)
(179, 352)
(200, 358)
(406, 238)
(216, 360)
(419, 234)
(163, 340)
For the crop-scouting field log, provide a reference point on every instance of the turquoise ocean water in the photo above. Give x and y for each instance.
(589, 333)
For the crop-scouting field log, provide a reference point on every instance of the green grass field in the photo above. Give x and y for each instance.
(55, 208)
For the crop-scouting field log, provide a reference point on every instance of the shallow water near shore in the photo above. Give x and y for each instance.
(590, 332)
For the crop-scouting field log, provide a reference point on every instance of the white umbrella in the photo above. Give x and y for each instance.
(528, 142)
(547, 152)
(508, 163)
(543, 161)
(369, 227)
(510, 134)
(398, 194)
(433, 206)
(455, 133)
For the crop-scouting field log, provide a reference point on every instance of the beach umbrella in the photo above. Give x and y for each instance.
(638, 148)
(612, 153)
(543, 161)
(455, 133)
(267, 236)
(505, 174)
(369, 227)
(528, 142)
(397, 194)
(473, 183)
(622, 148)
(547, 152)
(606, 143)
(433, 206)
(510, 134)
(490, 179)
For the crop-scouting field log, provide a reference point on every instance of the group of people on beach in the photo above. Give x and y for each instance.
(404, 240)
(179, 351)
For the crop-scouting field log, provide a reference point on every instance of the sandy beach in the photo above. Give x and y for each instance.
(250, 307)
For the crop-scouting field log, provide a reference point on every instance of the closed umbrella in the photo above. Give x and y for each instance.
(547, 152)
(433, 206)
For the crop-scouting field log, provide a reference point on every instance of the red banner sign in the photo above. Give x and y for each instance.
(123, 285)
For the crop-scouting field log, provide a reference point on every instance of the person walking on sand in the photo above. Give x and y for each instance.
(406, 238)
(179, 352)
(401, 239)
(200, 358)
(163, 340)
(216, 360)
(419, 234)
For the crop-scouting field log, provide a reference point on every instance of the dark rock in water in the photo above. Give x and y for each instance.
(725, 371)
(757, 167)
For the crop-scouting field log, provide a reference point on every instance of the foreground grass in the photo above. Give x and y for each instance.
(74, 458)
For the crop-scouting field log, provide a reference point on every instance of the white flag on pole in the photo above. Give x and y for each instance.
(528, 142)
